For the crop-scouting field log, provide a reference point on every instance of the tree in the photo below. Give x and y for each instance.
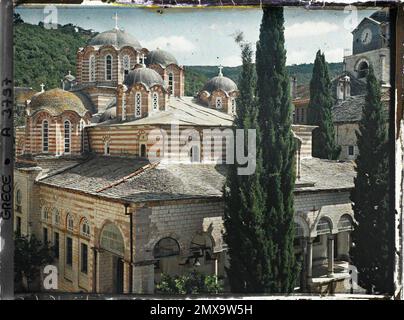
(319, 111)
(191, 283)
(242, 194)
(372, 250)
(276, 156)
(30, 255)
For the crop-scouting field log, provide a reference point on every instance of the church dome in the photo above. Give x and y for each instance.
(55, 102)
(220, 82)
(143, 75)
(161, 57)
(114, 37)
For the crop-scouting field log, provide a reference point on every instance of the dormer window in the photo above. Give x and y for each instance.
(91, 66)
(108, 67)
(219, 103)
(138, 105)
(155, 101)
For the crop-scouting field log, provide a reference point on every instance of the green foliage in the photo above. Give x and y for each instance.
(30, 254)
(319, 111)
(45, 55)
(276, 157)
(373, 248)
(191, 283)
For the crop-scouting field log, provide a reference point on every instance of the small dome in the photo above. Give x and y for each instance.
(143, 75)
(114, 37)
(161, 57)
(55, 102)
(220, 82)
(69, 77)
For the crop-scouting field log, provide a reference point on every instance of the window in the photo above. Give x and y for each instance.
(106, 148)
(111, 239)
(126, 64)
(219, 104)
(345, 223)
(324, 226)
(70, 222)
(85, 228)
(138, 105)
(233, 106)
(91, 66)
(45, 136)
(166, 247)
(56, 244)
(45, 214)
(124, 106)
(143, 150)
(194, 154)
(18, 225)
(351, 150)
(84, 258)
(171, 83)
(56, 216)
(45, 235)
(108, 67)
(67, 136)
(155, 101)
(18, 199)
(69, 251)
(363, 69)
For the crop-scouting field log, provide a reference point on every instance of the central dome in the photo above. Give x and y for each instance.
(143, 75)
(220, 82)
(161, 57)
(114, 37)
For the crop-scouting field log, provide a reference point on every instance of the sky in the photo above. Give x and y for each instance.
(206, 36)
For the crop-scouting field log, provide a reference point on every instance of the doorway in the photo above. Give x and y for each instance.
(119, 278)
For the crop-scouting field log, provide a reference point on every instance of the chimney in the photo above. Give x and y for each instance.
(344, 88)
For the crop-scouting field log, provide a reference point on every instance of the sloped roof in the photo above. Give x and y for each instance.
(182, 111)
(126, 179)
(348, 110)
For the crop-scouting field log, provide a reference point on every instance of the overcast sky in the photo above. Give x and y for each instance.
(205, 36)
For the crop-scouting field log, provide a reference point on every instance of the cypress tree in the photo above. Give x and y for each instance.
(371, 252)
(319, 111)
(276, 156)
(242, 197)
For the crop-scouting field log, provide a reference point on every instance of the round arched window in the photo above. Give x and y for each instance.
(85, 228)
(166, 247)
(111, 239)
(56, 216)
(70, 222)
(324, 226)
(363, 69)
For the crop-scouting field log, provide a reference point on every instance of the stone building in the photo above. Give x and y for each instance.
(123, 175)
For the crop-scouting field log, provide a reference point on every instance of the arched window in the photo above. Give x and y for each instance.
(111, 239)
(138, 105)
(56, 217)
(124, 106)
(18, 200)
(108, 67)
(155, 101)
(233, 106)
(106, 148)
(91, 66)
(171, 83)
(45, 136)
(194, 154)
(324, 226)
(85, 228)
(166, 247)
(126, 64)
(345, 223)
(69, 222)
(45, 214)
(219, 103)
(363, 69)
(67, 136)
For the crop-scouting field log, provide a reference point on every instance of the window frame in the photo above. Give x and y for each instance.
(138, 104)
(92, 76)
(108, 67)
(219, 102)
(83, 258)
(45, 138)
(67, 136)
(69, 251)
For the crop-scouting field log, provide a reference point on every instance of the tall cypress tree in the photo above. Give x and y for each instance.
(372, 253)
(242, 196)
(319, 111)
(276, 156)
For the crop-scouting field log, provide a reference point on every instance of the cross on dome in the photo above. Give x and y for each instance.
(143, 59)
(220, 71)
(42, 87)
(115, 17)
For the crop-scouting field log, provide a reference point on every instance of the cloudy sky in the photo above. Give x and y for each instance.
(205, 36)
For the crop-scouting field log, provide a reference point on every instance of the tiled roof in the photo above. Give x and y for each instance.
(127, 180)
(348, 110)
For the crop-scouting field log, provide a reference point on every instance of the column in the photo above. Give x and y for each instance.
(126, 277)
(330, 252)
(303, 275)
(309, 258)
